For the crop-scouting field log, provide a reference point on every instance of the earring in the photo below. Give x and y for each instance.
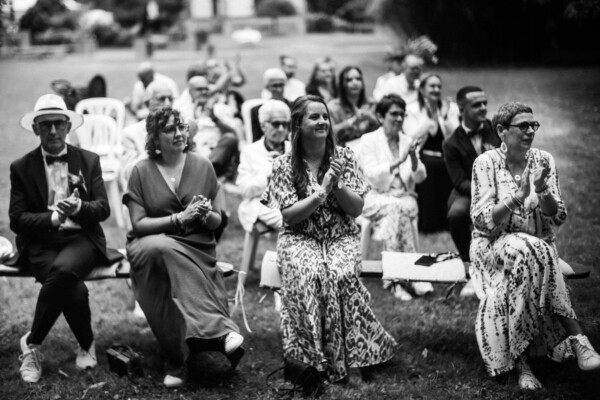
(157, 151)
(503, 148)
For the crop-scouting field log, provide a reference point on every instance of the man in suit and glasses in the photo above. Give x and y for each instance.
(57, 200)
(473, 136)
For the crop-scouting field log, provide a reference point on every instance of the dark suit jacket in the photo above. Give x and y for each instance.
(459, 155)
(29, 216)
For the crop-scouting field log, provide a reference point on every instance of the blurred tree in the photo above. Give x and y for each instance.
(500, 31)
(275, 8)
(40, 17)
(327, 7)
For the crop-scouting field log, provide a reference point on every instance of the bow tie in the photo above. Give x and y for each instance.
(52, 159)
(479, 131)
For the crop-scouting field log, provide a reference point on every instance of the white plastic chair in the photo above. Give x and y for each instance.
(114, 108)
(99, 133)
(246, 107)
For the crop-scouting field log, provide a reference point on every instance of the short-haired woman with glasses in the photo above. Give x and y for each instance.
(392, 166)
(171, 248)
(525, 305)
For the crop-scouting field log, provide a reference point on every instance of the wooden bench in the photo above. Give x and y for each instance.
(119, 270)
(401, 268)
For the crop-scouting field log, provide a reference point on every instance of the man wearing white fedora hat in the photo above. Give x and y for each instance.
(57, 200)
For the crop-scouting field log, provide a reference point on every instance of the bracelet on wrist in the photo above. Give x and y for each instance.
(516, 200)
(507, 206)
(179, 219)
(544, 192)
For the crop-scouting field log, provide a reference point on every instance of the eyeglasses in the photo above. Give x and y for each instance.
(278, 124)
(277, 85)
(162, 99)
(200, 89)
(46, 126)
(524, 126)
(396, 114)
(170, 129)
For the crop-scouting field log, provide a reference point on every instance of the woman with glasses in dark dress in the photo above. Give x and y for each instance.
(171, 200)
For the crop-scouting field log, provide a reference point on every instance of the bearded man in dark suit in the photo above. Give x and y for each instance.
(57, 200)
(474, 136)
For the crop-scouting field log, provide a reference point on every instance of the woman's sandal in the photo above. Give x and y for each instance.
(527, 381)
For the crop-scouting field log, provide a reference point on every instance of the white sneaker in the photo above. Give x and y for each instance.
(527, 381)
(422, 288)
(31, 361)
(400, 293)
(587, 358)
(233, 341)
(86, 359)
(171, 381)
(468, 290)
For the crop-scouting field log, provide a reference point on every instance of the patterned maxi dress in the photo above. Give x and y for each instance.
(325, 319)
(515, 268)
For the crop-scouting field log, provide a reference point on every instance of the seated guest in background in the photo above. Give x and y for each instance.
(171, 200)
(326, 321)
(57, 201)
(394, 64)
(256, 165)
(228, 94)
(274, 80)
(156, 95)
(391, 165)
(218, 131)
(406, 84)
(473, 136)
(294, 87)
(515, 270)
(351, 113)
(184, 100)
(322, 80)
(147, 75)
(432, 119)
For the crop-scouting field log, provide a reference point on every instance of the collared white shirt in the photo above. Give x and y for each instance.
(476, 139)
(57, 177)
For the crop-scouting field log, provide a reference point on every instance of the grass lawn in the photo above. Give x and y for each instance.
(438, 356)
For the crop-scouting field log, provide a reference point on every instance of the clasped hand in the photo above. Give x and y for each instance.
(198, 208)
(333, 174)
(539, 173)
(412, 152)
(68, 206)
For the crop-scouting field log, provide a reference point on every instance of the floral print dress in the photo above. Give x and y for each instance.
(515, 268)
(326, 320)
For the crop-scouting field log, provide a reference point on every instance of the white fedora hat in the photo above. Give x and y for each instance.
(51, 104)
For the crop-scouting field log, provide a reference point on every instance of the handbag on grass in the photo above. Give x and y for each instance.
(122, 360)
(304, 375)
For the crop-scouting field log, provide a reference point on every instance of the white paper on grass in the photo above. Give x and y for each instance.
(401, 267)
(269, 274)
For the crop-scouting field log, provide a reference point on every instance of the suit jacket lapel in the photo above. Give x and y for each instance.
(74, 164)
(39, 174)
(467, 144)
(74, 160)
